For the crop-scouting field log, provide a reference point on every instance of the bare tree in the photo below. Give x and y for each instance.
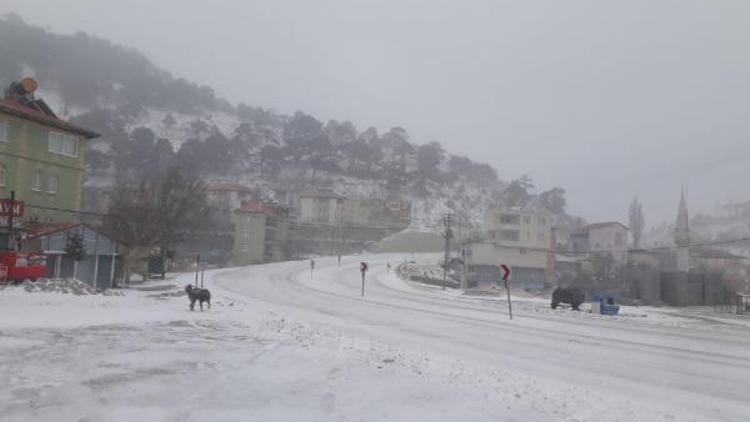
(636, 220)
(161, 211)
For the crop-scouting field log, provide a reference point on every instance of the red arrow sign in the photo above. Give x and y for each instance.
(506, 272)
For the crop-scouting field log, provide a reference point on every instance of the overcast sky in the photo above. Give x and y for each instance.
(608, 99)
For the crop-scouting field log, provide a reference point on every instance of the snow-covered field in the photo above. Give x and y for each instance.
(278, 345)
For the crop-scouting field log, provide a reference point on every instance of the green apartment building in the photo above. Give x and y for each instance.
(42, 157)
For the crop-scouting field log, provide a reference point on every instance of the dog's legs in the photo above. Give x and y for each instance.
(201, 303)
(192, 305)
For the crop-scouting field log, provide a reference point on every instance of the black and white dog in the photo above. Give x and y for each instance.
(198, 294)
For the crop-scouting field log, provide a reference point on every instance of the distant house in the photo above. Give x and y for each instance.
(320, 207)
(521, 239)
(42, 157)
(100, 259)
(227, 196)
(717, 260)
(737, 210)
(607, 237)
(528, 266)
(398, 209)
(262, 234)
(518, 228)
(357, 212)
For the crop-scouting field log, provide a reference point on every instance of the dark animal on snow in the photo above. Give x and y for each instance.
(197, 294)
(571, 295)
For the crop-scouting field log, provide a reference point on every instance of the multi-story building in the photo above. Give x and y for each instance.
(607, 237)
(261, 234)
(528, 229)
(320, 207)
(520, 239)
(41, 156)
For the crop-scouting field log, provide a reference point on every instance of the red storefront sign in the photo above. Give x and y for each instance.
(18, 208)
(23, 265)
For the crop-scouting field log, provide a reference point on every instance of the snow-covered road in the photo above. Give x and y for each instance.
(632, 367)
(279, 345)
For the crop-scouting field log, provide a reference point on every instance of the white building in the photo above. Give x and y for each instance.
(607, 237)
(528, 229)
(519, 239)
(320, 207)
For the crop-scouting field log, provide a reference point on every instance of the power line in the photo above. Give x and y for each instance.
(42, 207)
(630, 250)
(333, 226)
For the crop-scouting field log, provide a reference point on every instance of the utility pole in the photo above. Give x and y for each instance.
(338, 233)
(459, 218)
(462, 254)
(465, 260)
(448, 235)
(163, 262)
(11, 238)
(197, 267)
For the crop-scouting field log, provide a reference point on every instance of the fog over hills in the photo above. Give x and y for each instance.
(608, 101)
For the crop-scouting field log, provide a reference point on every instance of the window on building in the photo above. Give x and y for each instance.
(513, 235)
(619, 239)
(510, 218)
(541, 221)
(522, 251)
(526, 219)
(2, 175)
(4, 135)
(36, 181)
(52, 185)
(63, 144)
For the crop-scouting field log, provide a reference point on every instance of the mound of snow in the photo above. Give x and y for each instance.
(67, 285)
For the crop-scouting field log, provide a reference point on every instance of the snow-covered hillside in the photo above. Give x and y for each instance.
(114, 90)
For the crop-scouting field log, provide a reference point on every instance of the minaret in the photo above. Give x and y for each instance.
(682, 235)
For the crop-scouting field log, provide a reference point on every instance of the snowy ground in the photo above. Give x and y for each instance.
(280, 346)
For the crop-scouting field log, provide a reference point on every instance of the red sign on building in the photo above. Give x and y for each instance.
(18, 208)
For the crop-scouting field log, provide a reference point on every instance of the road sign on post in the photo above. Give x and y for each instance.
(506, 274)
(363, 270)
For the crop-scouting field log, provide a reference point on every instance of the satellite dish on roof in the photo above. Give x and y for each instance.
(29, 85)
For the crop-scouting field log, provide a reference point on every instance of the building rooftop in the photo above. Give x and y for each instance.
(38, 230)
(257, 207)
(24, 105)
(227, 187)
(605, 224)
(713, 253)
(321, 194)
